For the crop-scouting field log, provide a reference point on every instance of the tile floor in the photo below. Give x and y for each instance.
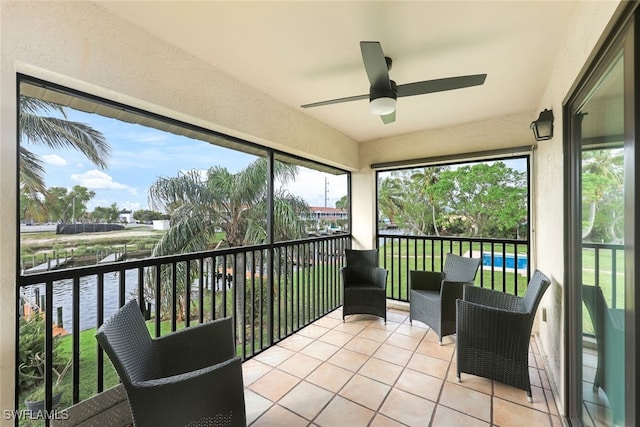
(365, 373)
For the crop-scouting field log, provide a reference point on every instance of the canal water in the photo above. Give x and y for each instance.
(63, 291)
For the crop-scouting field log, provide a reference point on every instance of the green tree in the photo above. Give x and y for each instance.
(406, 200)
(602, 195)
(490, 198)
(67, 206)
(109, 214)
(236, 203)
(146, 215)
(342, 203)
(39, 128)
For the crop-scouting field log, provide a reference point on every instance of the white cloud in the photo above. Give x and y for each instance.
(54, 159)
(95, 179)
(310, 185)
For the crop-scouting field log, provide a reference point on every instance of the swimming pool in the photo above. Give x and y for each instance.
(508, 261)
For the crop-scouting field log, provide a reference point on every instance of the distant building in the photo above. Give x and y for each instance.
(161, 224)
(126, 216)
(327, 214)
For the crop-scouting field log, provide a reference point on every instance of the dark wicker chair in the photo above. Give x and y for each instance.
(364, 284)
(608, 326)
(494, 331)
(190, 377)
(433, 294)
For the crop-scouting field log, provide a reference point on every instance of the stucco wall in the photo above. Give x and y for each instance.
(78, 44)
(589, 21)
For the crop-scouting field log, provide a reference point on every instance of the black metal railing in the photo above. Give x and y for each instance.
(603, 266)
(505, 263)
(270, 290)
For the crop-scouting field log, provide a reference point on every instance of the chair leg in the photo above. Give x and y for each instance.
(529, 397)
(458, 379)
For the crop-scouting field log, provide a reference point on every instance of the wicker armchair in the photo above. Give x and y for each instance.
(494, 330)
(608, 325)
(364, 284)
(433, 294)
(190, 377)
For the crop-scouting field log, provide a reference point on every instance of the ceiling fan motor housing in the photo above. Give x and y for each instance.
(383, 101)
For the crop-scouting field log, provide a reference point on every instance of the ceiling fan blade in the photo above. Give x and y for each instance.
(439, 85)
(336, 101)
(376, 65)
(389, 118)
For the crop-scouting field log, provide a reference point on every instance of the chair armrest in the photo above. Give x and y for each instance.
(425, 280)
(492, 298)
(197, 346)
(380, 275)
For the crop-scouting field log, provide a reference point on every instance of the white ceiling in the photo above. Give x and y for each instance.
(300, 52)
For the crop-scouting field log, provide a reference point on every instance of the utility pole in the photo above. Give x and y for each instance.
(326, 191)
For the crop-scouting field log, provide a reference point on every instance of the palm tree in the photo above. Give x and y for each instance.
(235, 203)
(54, 132)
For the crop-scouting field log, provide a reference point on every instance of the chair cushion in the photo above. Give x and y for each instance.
(427, 296)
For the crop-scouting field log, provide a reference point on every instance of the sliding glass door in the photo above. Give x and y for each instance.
(600, 242)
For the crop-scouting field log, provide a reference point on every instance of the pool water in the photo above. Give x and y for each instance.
(508, 261)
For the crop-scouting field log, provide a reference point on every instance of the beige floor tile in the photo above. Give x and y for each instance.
(328, 322)
(444, 352)
(509, 414)
(420, 384)
(338, 374)
(466, 400)
(330, 377)
(411, 331)
(336, 338)
(342, 412)
(428, 365)
(381, 370)
(474, 382)
(407, 408)
(397, 316)
(449, 340)
(299, 365)
(390, 326)
(255, 405)
(375, 334)
(352, 327)
(275, 355)
(279, 416)
(306, 399)
(445, 417)
(403, 341)
(365, 391)
(382, 421)
(348, 359)
(518, 396)
(393, 354)
(275, 384)
(295, 342)
(362, 345)
(320, 350)
(252, 370)
(313, 331)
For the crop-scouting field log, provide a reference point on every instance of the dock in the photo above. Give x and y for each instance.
(51, 264)
(116, 256)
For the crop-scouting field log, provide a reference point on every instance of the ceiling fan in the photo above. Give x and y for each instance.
(384, 91)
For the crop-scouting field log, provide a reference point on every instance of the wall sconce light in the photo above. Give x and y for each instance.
(543, 127)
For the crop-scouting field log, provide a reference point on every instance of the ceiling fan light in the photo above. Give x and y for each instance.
(382, 106)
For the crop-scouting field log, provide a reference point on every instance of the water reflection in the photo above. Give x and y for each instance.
(63, 297)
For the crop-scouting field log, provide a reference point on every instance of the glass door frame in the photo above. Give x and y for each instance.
(624, 36)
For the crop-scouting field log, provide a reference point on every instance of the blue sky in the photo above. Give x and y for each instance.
(139, 155)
